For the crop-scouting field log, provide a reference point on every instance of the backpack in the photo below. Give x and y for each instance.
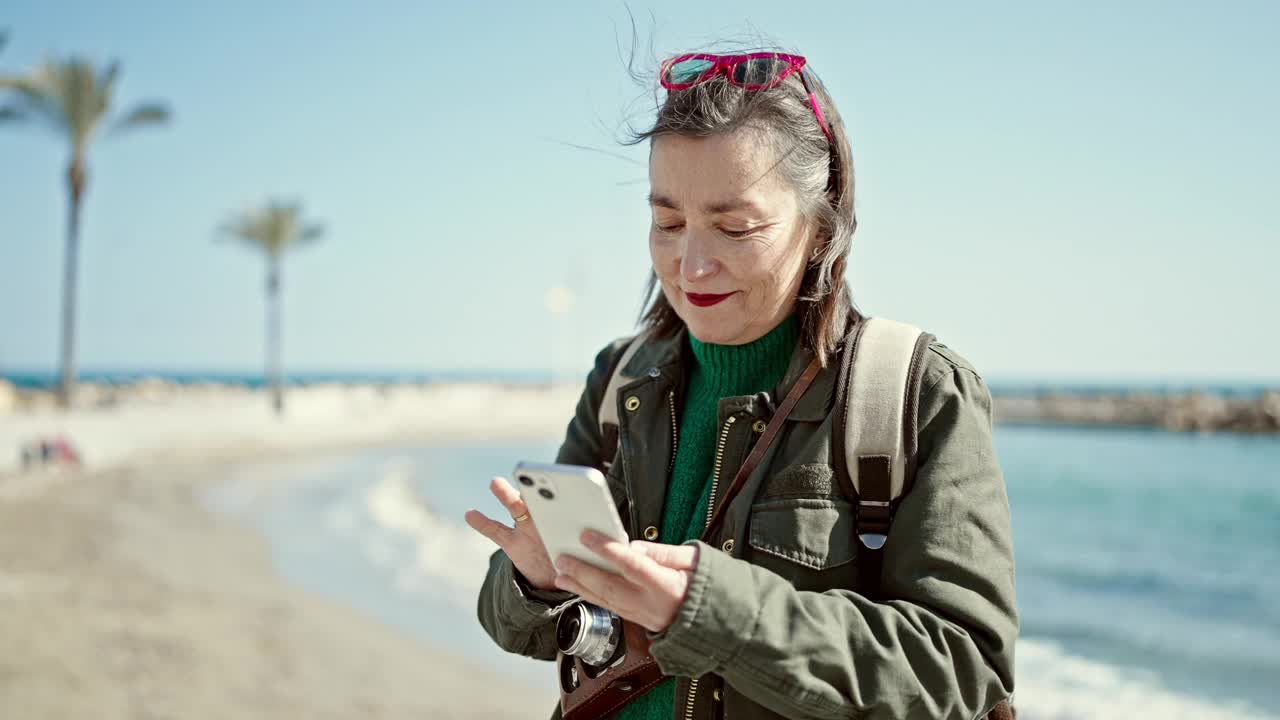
(874, 459)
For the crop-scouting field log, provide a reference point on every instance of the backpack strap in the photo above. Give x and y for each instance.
(874, 444)
(874, 447)
(607, 413)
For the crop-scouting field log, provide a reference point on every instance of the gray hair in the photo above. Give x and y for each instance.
(819, 170)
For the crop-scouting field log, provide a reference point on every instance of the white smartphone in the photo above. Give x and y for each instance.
(565, 500)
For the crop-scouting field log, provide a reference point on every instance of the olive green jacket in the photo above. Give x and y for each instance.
(770, 627)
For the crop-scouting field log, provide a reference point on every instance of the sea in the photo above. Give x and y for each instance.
(1148, 562)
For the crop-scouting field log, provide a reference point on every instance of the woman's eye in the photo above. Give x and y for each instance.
(737, 233)
(675, 227)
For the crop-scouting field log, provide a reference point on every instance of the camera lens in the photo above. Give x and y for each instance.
(591, 633)
(567, 633)
(525, 480)
(569, 628)
(546, 493)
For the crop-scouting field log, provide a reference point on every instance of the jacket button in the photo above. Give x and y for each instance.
(715, 694)
(632, 403)
(758, 426)
(728, 545)
(651, 533)
(654, 372)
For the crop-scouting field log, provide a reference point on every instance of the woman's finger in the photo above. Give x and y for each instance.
(676, 557)
(488, 527)
(634, 565)
(612, 588)
(568, 584)
(508, 496)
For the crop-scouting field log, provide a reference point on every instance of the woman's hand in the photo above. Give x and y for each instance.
(522, 543)
(651, 588)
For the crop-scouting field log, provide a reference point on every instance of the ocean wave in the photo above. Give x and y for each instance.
(447, 558)
(1053, 685)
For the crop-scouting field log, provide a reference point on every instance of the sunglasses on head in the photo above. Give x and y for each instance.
(752, 72)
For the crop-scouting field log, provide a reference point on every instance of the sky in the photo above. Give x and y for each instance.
(1057, 190)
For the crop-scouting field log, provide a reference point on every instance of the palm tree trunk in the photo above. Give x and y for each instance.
(76, 179)
(273, 335)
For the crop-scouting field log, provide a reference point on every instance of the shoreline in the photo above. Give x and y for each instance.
(407, 411)
(122, 596)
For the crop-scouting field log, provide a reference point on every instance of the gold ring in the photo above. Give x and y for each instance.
(522, 518)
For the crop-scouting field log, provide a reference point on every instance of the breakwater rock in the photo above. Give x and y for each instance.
(1192, 411)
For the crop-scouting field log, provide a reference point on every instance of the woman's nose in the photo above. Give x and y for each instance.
(697, 263)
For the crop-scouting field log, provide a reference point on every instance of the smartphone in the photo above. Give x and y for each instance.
(565, 500)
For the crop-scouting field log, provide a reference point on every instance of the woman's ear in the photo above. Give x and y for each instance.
(817, 242)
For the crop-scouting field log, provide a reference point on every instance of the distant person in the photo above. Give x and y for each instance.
(797, 605)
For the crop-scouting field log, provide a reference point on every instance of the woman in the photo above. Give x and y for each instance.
(751, 191)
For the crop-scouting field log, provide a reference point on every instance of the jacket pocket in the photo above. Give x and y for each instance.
(803, 531)
(737, 705)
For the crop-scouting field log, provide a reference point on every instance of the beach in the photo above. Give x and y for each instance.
(212, 560)
(123, 596)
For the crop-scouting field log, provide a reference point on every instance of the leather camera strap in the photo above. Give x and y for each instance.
(762, 445)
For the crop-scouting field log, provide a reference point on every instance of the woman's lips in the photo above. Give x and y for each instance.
(705, 299)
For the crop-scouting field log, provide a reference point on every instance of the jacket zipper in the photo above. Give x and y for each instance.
(715, 472)
(711, 504)
(675, 433)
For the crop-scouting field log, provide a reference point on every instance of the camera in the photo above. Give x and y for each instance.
(590, 633)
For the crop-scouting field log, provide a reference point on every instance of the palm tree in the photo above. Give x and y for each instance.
(273, 229)
(73, 98)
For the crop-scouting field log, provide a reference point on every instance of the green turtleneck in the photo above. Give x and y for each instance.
(718, 371)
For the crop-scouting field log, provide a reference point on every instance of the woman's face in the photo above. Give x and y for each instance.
(728, 241)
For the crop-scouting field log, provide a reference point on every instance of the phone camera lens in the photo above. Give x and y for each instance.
(525, 480)
(546, 493)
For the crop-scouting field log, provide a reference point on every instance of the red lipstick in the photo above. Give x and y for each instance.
(705, 300)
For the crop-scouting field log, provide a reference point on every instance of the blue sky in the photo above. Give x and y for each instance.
(1056, 190)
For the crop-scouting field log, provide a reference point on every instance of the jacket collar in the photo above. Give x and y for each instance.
(671, 357)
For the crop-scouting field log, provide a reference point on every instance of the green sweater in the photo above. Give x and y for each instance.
(719, 371)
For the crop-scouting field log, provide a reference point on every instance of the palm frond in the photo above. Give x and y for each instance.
(273, 228)
(140, 116)
(310, 234)
(75, 97)
(104, 87)
(37, 96)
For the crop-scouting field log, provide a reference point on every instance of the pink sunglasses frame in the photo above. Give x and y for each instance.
(724, 65)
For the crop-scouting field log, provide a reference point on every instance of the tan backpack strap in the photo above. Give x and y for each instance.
(874, 448)
(607, 413)
(876, 428)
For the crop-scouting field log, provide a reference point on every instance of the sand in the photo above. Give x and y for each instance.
(121, 596)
